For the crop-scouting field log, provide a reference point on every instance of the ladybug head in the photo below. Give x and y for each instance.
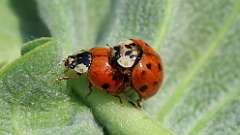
(79, 62)
(126, 54)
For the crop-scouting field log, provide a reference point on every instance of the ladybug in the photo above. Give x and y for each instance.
(140, 65)
(96, 65)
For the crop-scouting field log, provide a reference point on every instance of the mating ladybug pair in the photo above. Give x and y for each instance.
(132, 63)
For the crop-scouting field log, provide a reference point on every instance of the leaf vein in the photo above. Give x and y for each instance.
(208, 116)
(163, 27)
(181, 88)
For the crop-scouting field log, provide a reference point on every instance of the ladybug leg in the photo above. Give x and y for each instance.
(139, 102)
(63, 78)
(90, 89)
(120, 100)
(61, 62)
(132, 103)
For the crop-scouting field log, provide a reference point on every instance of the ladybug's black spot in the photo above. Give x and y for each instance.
(105, 86)
(143, 88)
(159, 67)
(143, 72)
(154, 83)
(149, 66)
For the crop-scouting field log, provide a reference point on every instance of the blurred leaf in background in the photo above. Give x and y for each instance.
(197, 40)
(20, 22)
(10, 37)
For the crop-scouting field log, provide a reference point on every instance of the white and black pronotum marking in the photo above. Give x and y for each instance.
(79, 62)
(126, 54)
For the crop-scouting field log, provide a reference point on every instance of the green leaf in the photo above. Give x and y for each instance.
(10, 38)
(34, 102)
(19, 22)
(199, 45)
(202, 78)
(118, 118)
(30, 24)
(75, 23)
(39, 103)
(33, 44)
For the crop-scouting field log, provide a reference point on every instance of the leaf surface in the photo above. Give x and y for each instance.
(20, 22)
(199, 45)
(34, 102)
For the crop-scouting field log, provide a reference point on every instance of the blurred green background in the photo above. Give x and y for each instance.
(20, 22)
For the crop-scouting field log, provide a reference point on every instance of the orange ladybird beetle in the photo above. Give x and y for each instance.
(95, 63)
(140, 65)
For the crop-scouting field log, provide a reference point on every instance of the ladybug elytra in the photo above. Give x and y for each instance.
(140, 65)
